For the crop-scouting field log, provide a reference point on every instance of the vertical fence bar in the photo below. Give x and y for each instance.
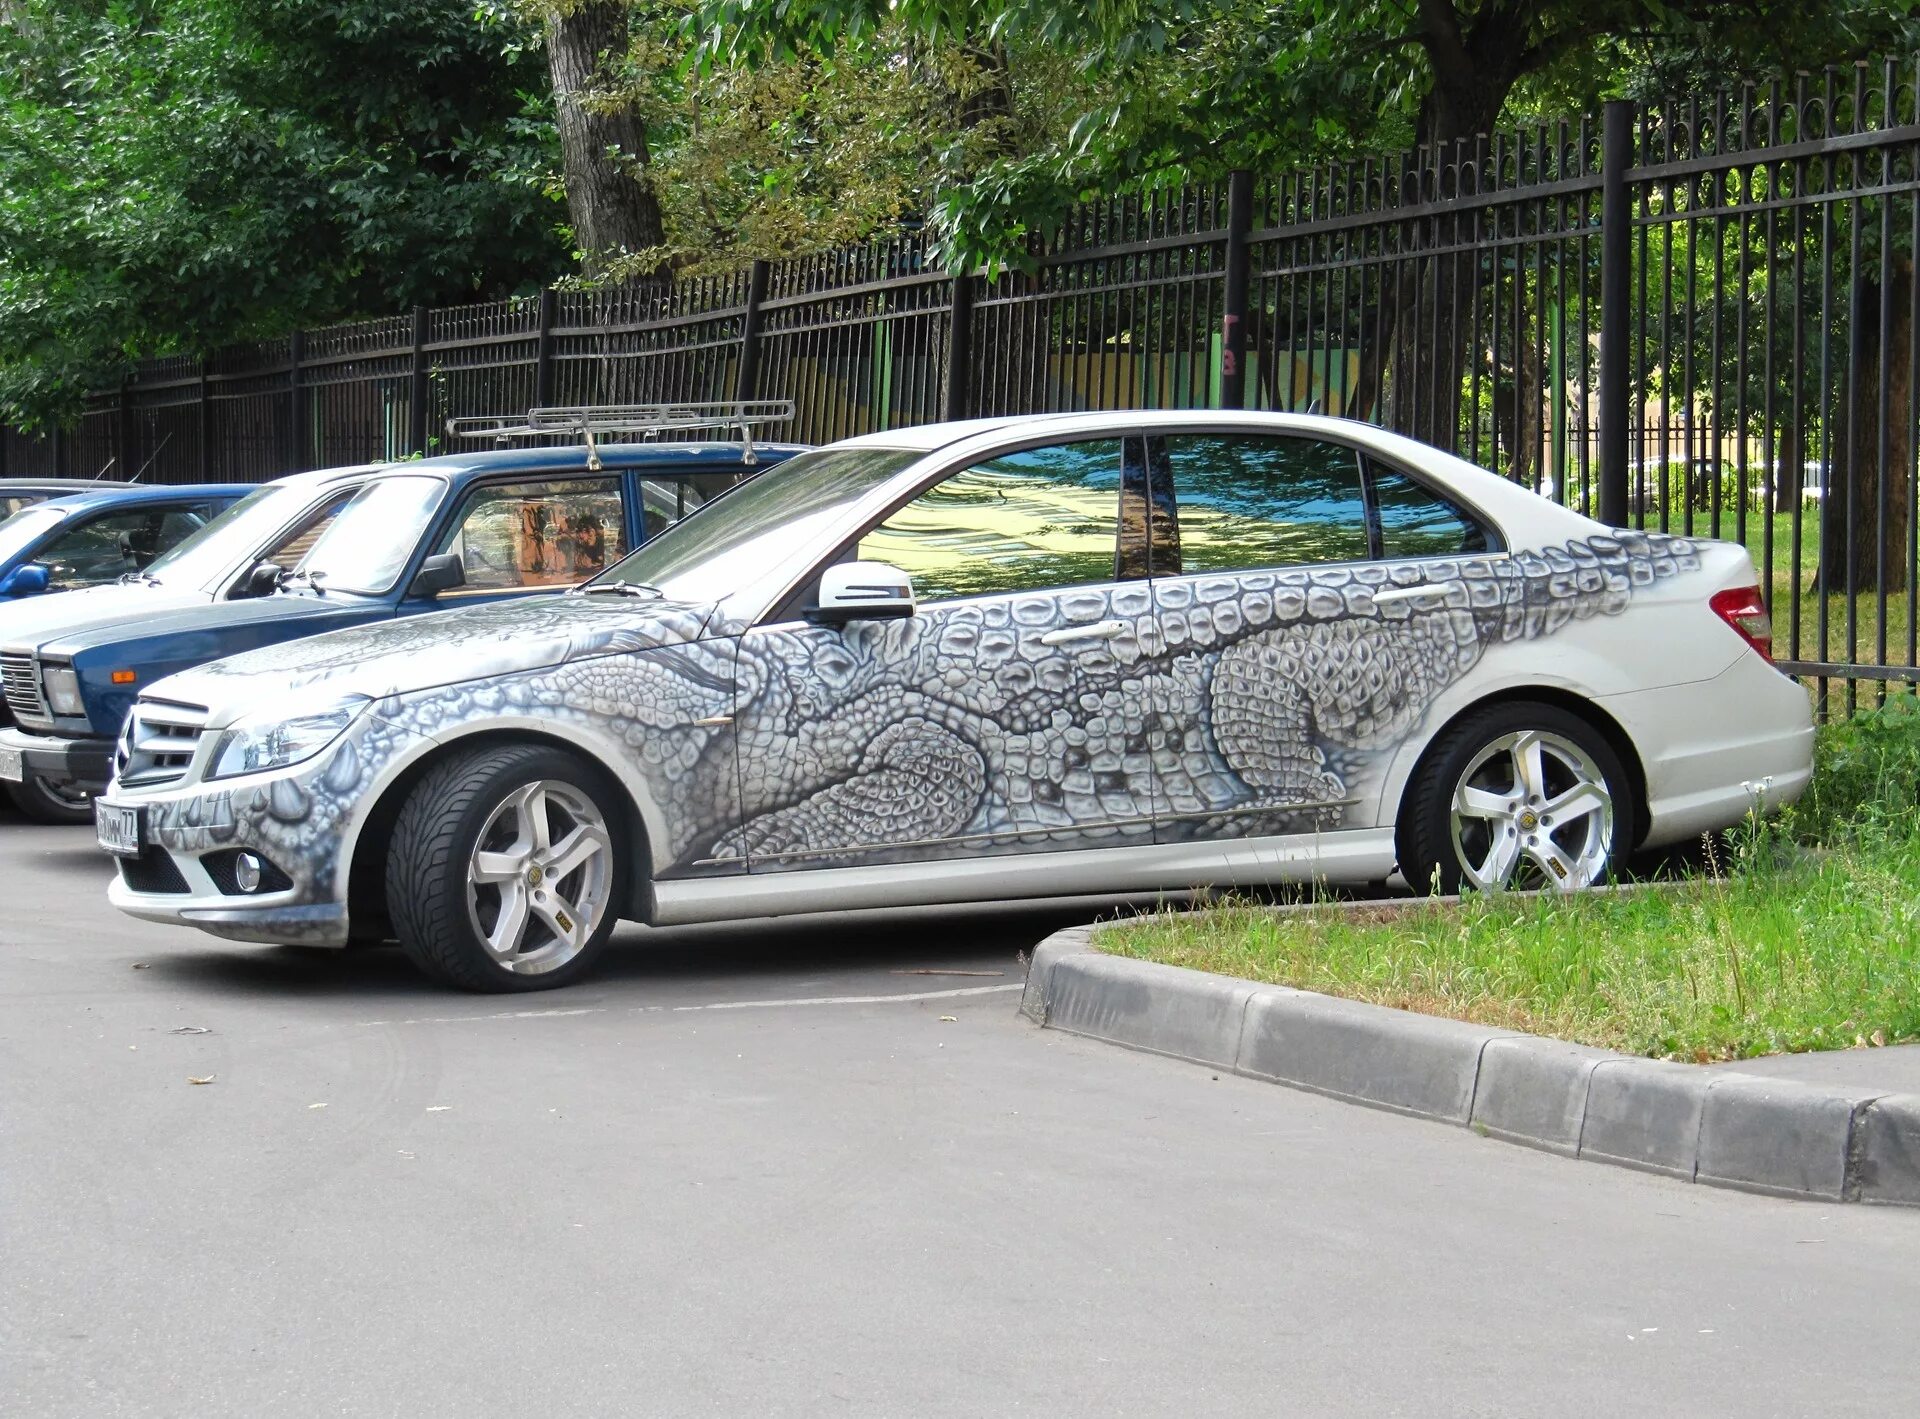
(298, 444)
(748, 374)
(205, 412)
(1233, 305)
(62, 453)
(959, 391)
(1616, 262)
(417, 385)
(543, 349)
(123, 434)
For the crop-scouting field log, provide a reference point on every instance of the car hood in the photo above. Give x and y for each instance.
(30, 622)
(440, 648)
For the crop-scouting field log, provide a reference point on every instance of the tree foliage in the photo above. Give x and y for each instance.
(175, 174)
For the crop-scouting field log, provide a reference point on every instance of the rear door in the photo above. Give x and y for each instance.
(1313, 605)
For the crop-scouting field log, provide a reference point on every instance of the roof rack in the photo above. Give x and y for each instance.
(588, 422)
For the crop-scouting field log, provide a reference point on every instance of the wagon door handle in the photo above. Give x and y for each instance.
(1096, 631)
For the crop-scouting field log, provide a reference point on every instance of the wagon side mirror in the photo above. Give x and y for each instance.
(438, 574)
(863, 591)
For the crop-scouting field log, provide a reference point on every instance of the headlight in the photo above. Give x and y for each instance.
(62, 686)
(276, 741)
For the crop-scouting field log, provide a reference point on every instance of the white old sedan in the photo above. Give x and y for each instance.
(1073, 654)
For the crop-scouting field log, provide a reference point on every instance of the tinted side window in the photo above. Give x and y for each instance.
(1417, 522)
(111, 545)
(665, 500)
(539, 534)
(1027, 521)
(1258, 500)
(300, 538)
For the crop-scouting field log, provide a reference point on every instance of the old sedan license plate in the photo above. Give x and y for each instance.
(12, 768)
(117, 828)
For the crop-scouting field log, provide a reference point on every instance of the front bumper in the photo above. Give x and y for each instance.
(300, 822)
(86, 762)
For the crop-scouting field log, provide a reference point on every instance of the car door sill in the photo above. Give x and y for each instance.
(1354, 855)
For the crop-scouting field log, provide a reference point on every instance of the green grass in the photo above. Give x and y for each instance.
(1810, 941)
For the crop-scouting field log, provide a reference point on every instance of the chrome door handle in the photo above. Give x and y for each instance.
(1096, 631)
(1407, 593)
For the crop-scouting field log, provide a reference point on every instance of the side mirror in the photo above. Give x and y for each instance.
(29, 580)
(263, 580)
(863, 591)
(438, 574)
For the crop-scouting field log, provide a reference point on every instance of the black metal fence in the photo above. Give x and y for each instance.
(1697, 315)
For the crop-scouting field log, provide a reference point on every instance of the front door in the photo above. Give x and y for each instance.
(995, 720)
(1314, 603)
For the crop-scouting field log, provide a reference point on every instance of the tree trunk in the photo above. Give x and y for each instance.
(603, 147)
(1865, 510)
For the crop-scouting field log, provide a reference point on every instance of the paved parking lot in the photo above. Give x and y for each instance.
(766, 1171)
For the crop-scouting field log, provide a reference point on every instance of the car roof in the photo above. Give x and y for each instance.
(132, 495)
(927, 438)
(715, 456)
(44, 485)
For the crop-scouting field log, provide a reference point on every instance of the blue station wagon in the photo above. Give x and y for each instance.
(419, 536)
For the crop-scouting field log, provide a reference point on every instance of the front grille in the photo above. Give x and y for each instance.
(152, 871)
(158, 744)
(20, 679)
(223, 868)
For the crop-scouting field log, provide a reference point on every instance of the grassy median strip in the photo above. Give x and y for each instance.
(1810, 941)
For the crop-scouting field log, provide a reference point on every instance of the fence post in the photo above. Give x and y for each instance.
(417, 386)
(748, 374)
(298, 445)
(206, 422)
(543, 350)
(1616, 313)
(123, 434)
(959, 398)
(1233, 311)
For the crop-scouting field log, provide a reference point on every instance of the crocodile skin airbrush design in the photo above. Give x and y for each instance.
(1224, 705)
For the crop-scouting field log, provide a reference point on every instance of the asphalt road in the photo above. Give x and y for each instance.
(763, 1172)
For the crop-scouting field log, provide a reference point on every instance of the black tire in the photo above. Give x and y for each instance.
(1428, 856)
(44, 802)
(434, 839)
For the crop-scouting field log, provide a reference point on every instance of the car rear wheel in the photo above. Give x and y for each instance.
(52, 801)
(1515, 796)
(507, 869)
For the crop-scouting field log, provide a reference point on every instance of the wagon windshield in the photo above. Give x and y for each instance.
(369, 544)
(757, 526)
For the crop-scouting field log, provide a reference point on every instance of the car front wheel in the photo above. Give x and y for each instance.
(52, 801)
(1517, 796)
(507, 869)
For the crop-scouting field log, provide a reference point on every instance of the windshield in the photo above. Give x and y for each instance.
(208, 553)
(367, 546)
(24, 528)
(758, 524)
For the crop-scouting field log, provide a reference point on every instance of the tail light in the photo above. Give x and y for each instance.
(1741, 608)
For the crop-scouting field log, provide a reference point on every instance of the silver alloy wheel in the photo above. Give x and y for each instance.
(539, 877)
(1532, 809)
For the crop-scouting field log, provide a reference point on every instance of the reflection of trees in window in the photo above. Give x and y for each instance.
(1028, 521)
(1415, 522)
(1249, 501)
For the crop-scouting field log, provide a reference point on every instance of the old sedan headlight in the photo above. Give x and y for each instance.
(274, 740)
(61, 684)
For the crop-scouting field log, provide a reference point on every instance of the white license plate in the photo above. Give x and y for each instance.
(117, 828)
(12, 769)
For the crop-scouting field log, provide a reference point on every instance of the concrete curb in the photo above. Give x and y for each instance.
(1723, 1129)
